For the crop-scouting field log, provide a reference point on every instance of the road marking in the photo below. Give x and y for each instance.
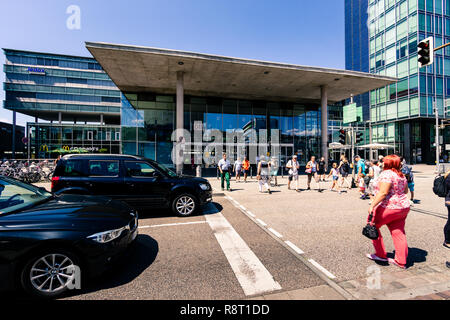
(253, 277)
(318, 266)
(275, 232)
(294, 247)
(261, 222)
(242, 207)
(170, 224)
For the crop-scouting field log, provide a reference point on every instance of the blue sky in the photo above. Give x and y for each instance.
(281, 31)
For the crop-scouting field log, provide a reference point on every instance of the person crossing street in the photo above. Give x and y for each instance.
(224, 168)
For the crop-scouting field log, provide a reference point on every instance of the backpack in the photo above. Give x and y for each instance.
(345, 168)
(407, 172)
(439, 187)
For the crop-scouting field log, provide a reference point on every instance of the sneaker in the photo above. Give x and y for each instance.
(374, 257)
(411, 203)
(308, 188)
(447, 245)
(270, 192)
(392, 261)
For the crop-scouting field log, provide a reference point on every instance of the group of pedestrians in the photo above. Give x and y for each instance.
(386, 182)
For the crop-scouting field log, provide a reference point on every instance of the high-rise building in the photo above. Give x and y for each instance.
(402, 114)
(74, 102)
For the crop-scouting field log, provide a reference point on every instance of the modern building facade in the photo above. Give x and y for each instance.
(164, 90)
(77, 101)
(402, 114)
(6, 137)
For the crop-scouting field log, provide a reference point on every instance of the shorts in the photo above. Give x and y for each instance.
(293, 176)
(344, 174)
(238, 172)
(411, 186)
(321, 171)
(246, 171)
(335, 178)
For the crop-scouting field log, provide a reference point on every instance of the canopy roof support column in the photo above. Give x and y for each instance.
(324, 121)
(180, 116)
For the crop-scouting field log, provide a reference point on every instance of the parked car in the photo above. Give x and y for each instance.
(48, 241)
(140, 182)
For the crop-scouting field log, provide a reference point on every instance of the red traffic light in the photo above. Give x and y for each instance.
(342, 131)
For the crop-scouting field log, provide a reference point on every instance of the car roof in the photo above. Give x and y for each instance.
(96, 156)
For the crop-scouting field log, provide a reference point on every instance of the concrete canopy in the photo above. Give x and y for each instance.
(145, 69)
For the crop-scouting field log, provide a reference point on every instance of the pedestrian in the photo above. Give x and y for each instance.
(311, 171)
(293, 167)
(447, 204)
(374, 172)
(57, 160)
(263, 171)
(390, 207)
(407, 171)
(321, 169)
(246, 168)
(224, 168)
(237, 169)
(344, 170)
(360, 174)
(335, 173)
(274, 170)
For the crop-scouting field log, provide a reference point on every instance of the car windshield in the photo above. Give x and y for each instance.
(15, 195)
(164, 169)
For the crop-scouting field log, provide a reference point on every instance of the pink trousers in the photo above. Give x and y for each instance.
(394, 219)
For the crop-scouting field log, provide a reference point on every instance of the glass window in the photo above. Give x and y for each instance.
(402, 49)
(390, 55)
(402, 68)
(402, 29)
(402, 10)
(390, 18)
(438, 25)
(422, 5)
(139, 169)
(413, 64)
(430, 6)
(70, 168)
(103, 168)
(413, 84)
(438, 7)
(390, 37)
(412, 6)
(402, 88)
(421, 22)
(412, 23)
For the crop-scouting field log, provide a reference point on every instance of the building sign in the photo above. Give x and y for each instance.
(352, 113)
(34, 70)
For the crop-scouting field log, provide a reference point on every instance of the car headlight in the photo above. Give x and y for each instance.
(204, 186)
(107, 236)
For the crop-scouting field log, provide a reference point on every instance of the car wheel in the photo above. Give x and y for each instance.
(51, 273)
(184, 205)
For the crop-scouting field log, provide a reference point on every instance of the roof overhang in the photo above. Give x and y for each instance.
(145, 69)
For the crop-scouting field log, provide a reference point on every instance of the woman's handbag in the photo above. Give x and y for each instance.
(370, 231)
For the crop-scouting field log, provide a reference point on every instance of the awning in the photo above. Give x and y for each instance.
(146, 69)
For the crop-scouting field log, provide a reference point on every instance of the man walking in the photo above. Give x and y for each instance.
(224, 168)
(293, 167)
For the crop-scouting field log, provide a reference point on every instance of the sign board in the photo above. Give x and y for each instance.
(24, 140)
(352, 113)
(34, 70)
(349, 113)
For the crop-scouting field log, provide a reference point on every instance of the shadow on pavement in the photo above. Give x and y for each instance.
(415, 255)
(127, 268)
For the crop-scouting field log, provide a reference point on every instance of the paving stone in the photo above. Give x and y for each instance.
(413, 282)
(301, 294)
(347, 285)
(325, 292)
(397, 285)
(277, 296)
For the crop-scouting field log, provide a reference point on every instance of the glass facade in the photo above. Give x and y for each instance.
(43, 85)
(402, 114)
(45, 138)
(148, 121)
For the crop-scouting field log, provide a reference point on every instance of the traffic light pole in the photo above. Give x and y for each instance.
(437, 135)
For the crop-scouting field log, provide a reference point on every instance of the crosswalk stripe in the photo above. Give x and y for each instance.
(253, 277)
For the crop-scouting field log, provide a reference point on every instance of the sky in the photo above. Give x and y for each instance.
(301, 32)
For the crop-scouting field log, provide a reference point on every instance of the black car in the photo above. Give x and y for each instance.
(48, 241)
(140, 182)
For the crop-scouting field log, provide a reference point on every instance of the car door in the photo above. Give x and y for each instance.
(104, 178)
(144, 184)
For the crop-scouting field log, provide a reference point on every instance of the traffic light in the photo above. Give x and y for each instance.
(359, 137)
(342, 136)
(425, 50)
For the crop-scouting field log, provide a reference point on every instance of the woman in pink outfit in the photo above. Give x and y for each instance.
(391, 207)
